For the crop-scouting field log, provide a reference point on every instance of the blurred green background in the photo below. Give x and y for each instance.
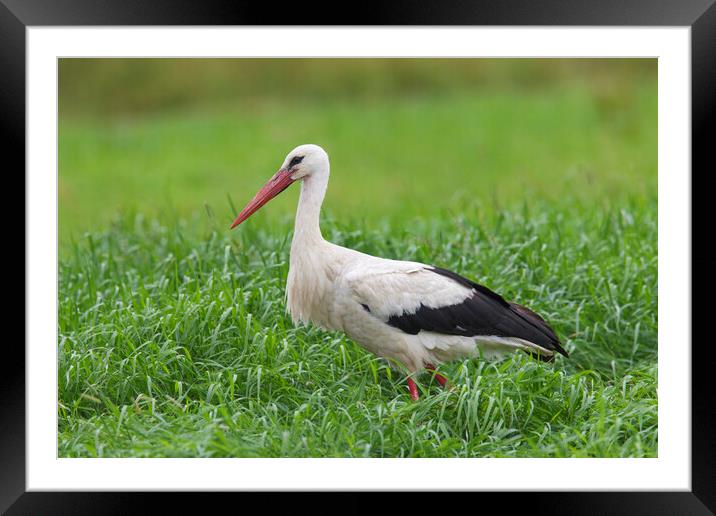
(407, 137)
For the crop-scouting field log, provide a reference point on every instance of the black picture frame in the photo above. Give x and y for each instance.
(17, 15)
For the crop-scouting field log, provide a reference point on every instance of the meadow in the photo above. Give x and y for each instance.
(173, 336)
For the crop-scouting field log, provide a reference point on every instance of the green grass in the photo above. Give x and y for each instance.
(173, 337)
(175, 343)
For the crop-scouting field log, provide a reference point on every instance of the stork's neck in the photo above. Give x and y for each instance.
(313, 189)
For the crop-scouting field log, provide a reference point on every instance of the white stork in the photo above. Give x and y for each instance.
(412, 313)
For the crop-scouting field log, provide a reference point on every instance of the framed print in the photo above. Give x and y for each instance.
(492, 293)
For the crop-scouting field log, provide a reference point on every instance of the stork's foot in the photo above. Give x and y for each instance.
(440, 378)
(413, 389)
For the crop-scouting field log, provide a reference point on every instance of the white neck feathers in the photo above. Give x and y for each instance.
(307, 276)
(313, 189)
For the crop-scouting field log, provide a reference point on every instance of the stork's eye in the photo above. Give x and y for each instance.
(295, 161)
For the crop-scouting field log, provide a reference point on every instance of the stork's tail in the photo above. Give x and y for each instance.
(551, 344)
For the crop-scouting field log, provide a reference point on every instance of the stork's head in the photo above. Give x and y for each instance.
(301, 163)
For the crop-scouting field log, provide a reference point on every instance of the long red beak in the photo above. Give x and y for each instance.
(277, 184)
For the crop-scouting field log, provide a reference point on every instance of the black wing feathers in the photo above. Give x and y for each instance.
(470, 284)
(483, 313)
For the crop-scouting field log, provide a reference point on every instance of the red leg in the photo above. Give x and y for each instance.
(413, 389)
(440, 378)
